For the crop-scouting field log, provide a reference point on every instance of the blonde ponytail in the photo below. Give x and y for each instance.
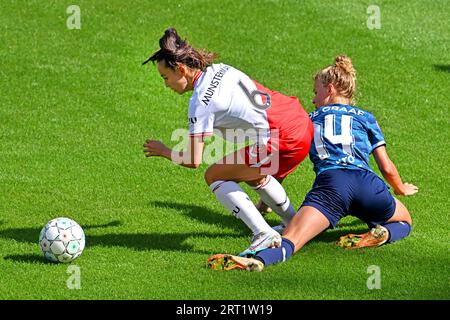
(342, 75)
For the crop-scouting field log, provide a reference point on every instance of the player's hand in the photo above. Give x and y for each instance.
(409, 190)
(155, 148)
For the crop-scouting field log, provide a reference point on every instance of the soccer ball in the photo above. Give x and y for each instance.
(62, 240)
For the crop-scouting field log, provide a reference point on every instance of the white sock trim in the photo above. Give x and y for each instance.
(216, 184)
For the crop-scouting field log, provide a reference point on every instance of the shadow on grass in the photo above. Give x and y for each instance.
(164, 241)
(32, 234)
(28, 258)
(352, 223)
(207, 216)
(155, 241)
(204, 215)
(332, 235)
(116, 223)
(137, 241)
(442, 67)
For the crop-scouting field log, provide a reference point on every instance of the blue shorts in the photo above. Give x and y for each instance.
(360, 193)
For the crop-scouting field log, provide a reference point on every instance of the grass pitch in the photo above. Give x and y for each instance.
(76, 107)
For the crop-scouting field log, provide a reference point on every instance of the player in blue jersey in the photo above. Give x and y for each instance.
(344, 138)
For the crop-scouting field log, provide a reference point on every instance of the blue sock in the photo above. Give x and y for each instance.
(397, 230)
(275, 255)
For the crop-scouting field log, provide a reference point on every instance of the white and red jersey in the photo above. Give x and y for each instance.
(226, 98)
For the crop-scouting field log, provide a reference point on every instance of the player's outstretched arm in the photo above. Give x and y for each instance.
(190, 159)
(390, 173)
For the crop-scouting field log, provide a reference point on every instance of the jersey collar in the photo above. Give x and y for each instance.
(196, 77)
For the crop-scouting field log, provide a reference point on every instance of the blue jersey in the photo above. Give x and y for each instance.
(344, 138)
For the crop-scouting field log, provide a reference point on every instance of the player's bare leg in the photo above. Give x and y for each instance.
(401, 213)
(263, 208)
(306, 224)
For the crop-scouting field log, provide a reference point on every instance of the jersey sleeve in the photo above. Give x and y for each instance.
(201, 121)
(375, 135)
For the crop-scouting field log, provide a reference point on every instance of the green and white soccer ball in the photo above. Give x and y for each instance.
(62, 240)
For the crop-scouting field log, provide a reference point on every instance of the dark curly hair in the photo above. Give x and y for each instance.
(174, 50)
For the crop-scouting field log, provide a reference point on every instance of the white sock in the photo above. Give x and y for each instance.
(274, 195)
(231, 195)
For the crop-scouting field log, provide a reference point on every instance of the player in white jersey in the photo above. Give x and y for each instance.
(277, 130)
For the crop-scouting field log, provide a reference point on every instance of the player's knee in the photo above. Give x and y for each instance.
(257, 182)
(406, 216)
(408, 220)
(402, 213)
(210, 175)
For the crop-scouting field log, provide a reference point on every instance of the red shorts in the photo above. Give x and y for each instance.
(291, 133)
(282, 154)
